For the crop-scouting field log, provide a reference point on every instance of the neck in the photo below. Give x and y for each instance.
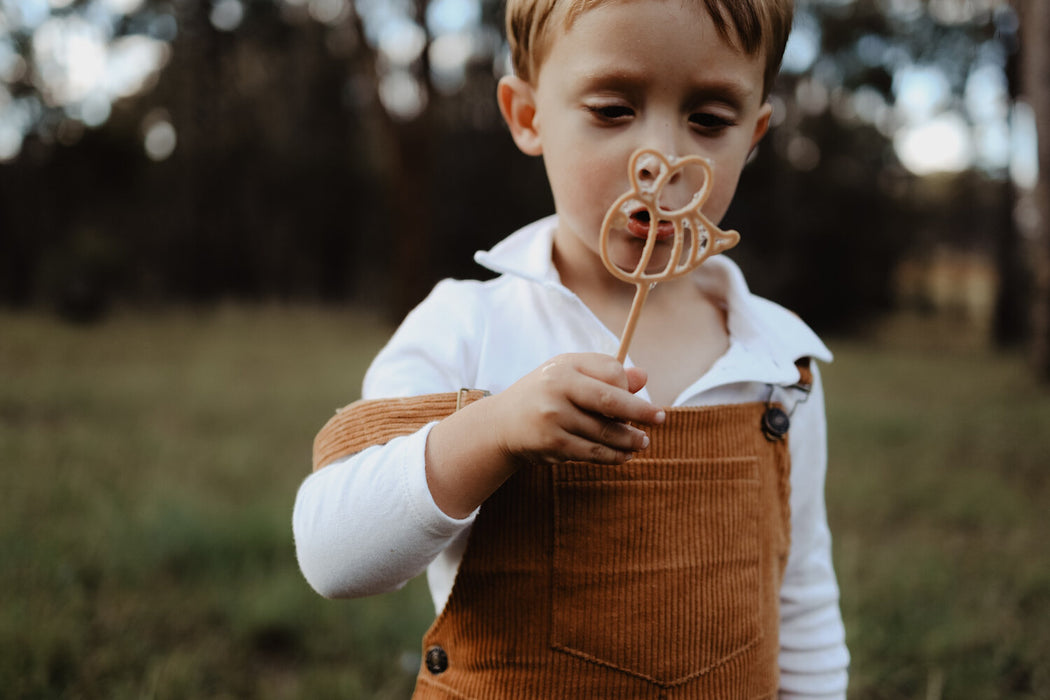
(583, 273)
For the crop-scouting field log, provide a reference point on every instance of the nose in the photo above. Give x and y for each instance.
(671, 186)
(663, 131)
(649, 169)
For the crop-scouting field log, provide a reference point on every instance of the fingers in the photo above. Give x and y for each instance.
(575, 408)
(604, 394)
(602, 433)
(580, 449)
(612, 390)
(605, 368)
(636, 379)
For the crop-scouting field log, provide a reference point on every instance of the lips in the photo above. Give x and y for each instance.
(638, 224)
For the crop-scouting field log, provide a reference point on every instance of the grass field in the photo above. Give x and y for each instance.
(149, 466)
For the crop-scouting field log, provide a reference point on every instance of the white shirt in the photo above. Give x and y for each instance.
(367, 524)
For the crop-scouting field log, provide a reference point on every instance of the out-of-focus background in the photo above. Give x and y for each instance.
(213, 212)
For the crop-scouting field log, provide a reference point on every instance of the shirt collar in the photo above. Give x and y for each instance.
(527, 253)
(757, 324)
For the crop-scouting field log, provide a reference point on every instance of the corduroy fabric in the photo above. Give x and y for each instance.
(377, 421)
(658, 578)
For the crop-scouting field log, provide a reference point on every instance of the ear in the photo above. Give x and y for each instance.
(517, 103)
(765, 112)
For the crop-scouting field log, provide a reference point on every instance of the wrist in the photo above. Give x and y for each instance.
(465, 461)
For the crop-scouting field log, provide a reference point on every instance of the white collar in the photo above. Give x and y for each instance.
(525, 253)
(755, 323)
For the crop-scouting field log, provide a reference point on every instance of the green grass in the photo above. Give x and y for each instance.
(149, 469)
(149, 466)
(938, 498)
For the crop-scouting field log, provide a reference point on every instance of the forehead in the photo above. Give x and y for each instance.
(565, 13)
(652, 39)
(562, 15)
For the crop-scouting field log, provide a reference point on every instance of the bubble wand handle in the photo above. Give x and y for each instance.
(695, 239)
(640, 295)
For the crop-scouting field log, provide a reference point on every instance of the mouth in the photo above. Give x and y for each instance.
(639, 224)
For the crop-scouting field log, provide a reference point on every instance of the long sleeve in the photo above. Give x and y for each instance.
(814, 659)
(367, 524)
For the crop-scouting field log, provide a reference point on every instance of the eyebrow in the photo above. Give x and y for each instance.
(731, 92)
(618, 81)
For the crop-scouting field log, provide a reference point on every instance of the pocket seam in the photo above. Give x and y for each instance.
(652, 679)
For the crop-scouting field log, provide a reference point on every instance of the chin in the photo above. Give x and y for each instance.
(629, 254)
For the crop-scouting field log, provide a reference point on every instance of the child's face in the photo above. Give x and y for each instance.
(632, 74)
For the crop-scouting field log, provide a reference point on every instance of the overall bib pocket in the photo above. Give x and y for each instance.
(656, 564)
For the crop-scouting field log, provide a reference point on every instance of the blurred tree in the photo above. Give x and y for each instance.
(1013, 311)
(411, 165)
(433, 110)
(334, 149)
(853, 149)
(1035, 88)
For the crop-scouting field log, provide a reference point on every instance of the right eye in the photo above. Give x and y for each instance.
(611, 113)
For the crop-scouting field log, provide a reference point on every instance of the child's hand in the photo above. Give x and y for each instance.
(574, 408)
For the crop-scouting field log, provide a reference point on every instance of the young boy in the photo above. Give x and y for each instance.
(591, 529)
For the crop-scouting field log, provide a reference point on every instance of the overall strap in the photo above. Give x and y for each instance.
(777, 419)
(805, 374)
(377, 421)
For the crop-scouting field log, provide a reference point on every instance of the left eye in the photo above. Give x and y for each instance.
(611, 112)
(706, 120)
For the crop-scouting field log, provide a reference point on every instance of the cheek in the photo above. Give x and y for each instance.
(567, 182)
(720, 199)
(729, 167)
(583, 183)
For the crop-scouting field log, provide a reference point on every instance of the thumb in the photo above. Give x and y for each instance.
(636, 379)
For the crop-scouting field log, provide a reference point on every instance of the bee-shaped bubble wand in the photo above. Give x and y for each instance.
(696, 238)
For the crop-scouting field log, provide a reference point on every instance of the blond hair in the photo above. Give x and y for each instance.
(752, 26)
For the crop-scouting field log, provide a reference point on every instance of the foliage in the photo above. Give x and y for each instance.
(324, 149)
(152, 461)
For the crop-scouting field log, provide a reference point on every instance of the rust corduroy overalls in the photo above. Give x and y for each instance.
(658, 578)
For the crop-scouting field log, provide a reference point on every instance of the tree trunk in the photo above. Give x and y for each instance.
(1013, 307)
(404, 157)
(413, 209)
(1035, 87)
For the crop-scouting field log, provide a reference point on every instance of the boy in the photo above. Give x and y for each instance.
(610, 531)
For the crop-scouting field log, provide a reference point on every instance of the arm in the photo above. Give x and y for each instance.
(368, 523)
(574, 407)
(814, 660)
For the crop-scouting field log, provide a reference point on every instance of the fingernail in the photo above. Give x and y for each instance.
(645, 441)
(660, 416)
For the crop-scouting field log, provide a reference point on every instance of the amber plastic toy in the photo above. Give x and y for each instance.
(696, 238)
